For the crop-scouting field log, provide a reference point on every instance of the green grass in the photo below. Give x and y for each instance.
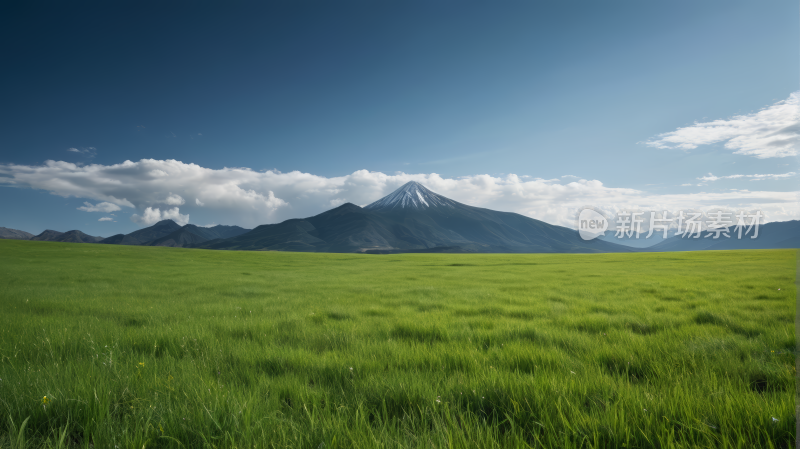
(162, 347)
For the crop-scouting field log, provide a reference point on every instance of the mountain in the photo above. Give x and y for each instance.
(169, 233)
(413, 218)
(77, 237)
(143, 236)
(48, 236)
(411, 196)
(74, 236)
(6, 233)
(113, 240)
(781, 234)
(191, 235)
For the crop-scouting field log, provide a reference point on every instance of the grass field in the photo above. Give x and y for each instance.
(106, 346)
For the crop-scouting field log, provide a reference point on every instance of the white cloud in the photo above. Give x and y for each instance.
(689, 184)
(198, 202)
(711, 177)
(99, 207)
(248, 198)
(154, 215)
(106, 219)
(774, 131)
(174, 200)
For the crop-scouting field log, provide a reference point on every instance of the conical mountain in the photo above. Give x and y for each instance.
(412, 195)
(415, 219)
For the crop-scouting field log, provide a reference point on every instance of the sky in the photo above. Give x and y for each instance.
(116, 115)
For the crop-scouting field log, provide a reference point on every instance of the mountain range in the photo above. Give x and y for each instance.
(410, 219)
(779, 234)
(413, 218)
(163, 233)
(74, 236)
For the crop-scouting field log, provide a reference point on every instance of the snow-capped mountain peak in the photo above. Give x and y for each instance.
(411, 195)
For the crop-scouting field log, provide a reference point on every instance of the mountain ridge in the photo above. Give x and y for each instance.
(191, 235)
(774, 235)
(15, 234)
(410, 219)
(413, 218)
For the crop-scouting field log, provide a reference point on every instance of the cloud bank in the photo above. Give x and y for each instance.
(152, 190)
(774, 131)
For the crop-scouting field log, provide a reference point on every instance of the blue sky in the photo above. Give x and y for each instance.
(285, 109)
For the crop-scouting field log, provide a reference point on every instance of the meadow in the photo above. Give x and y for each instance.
(110, 346)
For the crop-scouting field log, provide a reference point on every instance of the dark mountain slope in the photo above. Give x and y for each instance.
(113, 240)
(76, 236)
(191, 235)
(48, 236)
(782, 234)
(142, 236)
(14, 234)
(290, 235)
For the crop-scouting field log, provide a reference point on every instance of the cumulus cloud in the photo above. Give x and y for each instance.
(248, 198)
(711, 177)
(99, 207)
(774, 131)
(174, 200)
(106, 219)
(154, 215)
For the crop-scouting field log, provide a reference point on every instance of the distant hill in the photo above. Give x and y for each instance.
(6, 233)
(77, 237)
(191, 235)
(163, 233)
(48, 235)
(169, 233)
(74, 236)
(113, 240)
(411, 219)
(143, 236)
(782, 234)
